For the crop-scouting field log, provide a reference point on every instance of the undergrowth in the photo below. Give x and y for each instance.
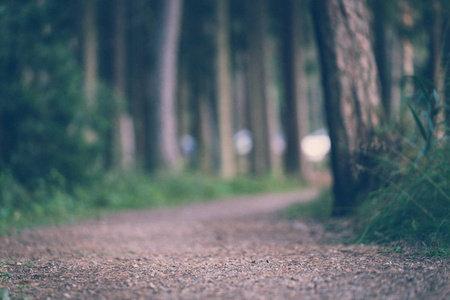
(320, 208)
(413, 201)
(56, 204)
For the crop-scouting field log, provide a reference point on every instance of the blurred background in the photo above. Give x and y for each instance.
(224, 88)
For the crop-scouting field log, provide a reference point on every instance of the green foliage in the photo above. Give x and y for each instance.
(319, 208)
(50, 204)
(40, 107)
(413, 203)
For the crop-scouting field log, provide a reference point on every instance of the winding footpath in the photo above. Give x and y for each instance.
(228, 249)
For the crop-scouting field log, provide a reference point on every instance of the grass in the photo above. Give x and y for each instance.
(48, 205)
(412, 205)
(320, 208)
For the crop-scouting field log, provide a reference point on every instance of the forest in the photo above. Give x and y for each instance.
(114, 104)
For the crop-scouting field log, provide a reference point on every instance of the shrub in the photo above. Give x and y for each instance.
(413, 203)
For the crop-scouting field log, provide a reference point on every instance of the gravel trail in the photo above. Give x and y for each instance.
(228, 249)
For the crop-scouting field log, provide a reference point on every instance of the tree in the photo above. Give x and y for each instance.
(224, 89)
(138, 82)
(295, 106)
(41, 138)
(167, 66)
(350, 85)
(90, 51)
(124, 142)
(256, 10)
(388, 54)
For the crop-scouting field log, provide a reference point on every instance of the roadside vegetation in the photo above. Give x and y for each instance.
(56, 203)
(412, 203)
(411, 199)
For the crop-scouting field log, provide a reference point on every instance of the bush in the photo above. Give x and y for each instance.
(40, 111)
(52, 204)
(413, 203)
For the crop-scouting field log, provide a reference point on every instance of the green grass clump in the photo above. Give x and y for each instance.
(413, 206)
(55, 204)
(320, 208)
(413, 202)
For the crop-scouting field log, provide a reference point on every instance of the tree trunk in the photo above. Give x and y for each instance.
(293, 97)
(224, 88)
(241, 108)
(433, 19)
(138, 81)
(381, 53)
(206, 132)
(167, 66)
(407, 23)
(272, 100)
(352, 98)
(124, 141)
(446, 74)
(257, 91)
(90, 52)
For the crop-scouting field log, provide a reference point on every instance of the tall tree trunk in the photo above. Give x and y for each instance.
(167, 66)
(138, 81)
(407, 23)
(352, 99)
(241, 111)
(388, 55)
(257, 92)
(436, 19)
(90, 52)
(433, 19)
(206, 131)
(381, 53)
(224, 88)
(446, 74)
(272, 100)
(292, 74)
(124, 129)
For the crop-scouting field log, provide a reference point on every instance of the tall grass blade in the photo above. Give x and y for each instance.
(418, 122)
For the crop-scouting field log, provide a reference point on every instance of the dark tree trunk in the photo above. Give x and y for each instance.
(381, 53)
(433, 20)
(139, 91)
(352, 99)
(257, 90)
(292, 76)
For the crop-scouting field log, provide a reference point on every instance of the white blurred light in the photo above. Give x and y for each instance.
(243, 142)
(316, 145)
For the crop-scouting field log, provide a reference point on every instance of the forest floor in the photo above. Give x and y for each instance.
(228, 249)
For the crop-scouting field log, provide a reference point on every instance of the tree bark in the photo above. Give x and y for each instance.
(90, 52)
(224, 88)
(206, 132)
(124, 141)
(434, 20)
(293, 97)
(446, 74)
(167, 66)
(352, 98)
(138, 80)
(407, 23)
(257, 91)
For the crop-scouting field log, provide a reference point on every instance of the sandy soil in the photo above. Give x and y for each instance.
(229, 249)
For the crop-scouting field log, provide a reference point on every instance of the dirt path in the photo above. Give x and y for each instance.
(236, 249)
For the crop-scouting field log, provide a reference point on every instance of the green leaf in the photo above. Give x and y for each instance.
(418, 122)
